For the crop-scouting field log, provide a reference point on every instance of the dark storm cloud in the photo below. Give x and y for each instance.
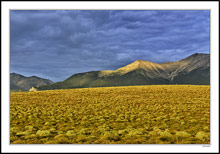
(57, 44)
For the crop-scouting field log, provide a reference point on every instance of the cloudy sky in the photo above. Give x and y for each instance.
(58, 43)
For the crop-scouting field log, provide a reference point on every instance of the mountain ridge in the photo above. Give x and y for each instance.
(194, 69)
(20, 82)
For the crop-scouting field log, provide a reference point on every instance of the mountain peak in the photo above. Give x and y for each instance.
(196, 56)
(138, 64)
(199, 54)
(142, 61)
(16, 75)
(139, 61)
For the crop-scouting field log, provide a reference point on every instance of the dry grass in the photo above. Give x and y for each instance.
(162, 114)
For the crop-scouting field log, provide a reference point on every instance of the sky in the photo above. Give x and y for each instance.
(56, 44)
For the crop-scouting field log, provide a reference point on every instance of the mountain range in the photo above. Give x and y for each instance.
(194, 69)
(20, 82)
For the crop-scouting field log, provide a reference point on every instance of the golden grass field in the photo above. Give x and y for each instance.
(157, 114)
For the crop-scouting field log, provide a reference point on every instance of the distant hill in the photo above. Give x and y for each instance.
(20, 82)
(194, 69)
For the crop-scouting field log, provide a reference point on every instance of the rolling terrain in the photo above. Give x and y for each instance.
(20, 82)
(194, 70)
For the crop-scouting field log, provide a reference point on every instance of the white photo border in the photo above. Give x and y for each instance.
(110, 5)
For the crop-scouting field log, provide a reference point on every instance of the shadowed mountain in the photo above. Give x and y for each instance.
(20, 82)
(194, 69)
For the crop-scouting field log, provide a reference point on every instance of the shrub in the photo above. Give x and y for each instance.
(23, 133)
(201, 135)
(47, 123)
(29, 128)
(122, 132)
(206, 128)
(59, 136)
(182, 134)
(71, 133)
(165, 134)
(43, 133)
(134, 132)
